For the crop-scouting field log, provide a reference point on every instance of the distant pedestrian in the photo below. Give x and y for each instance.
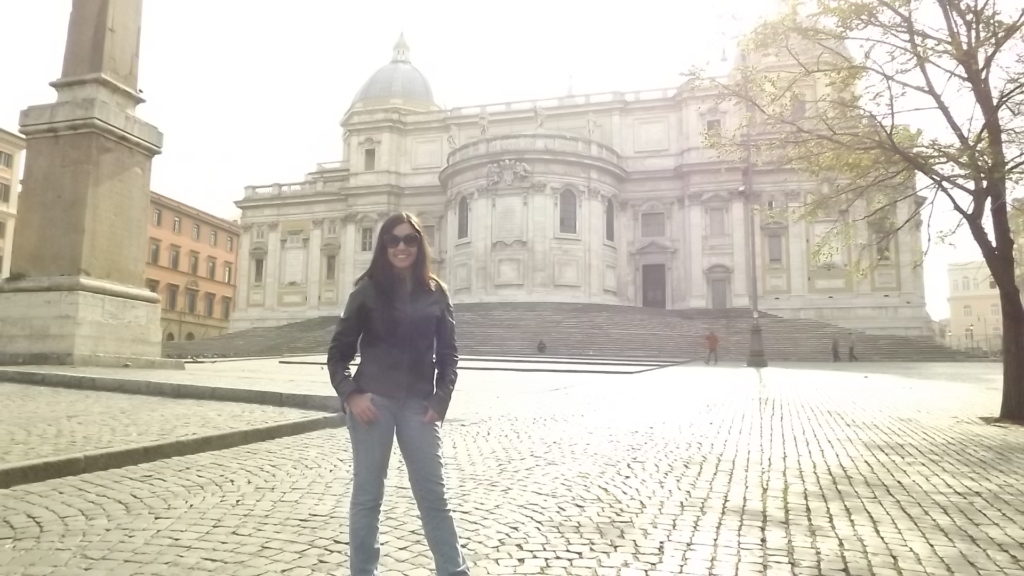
(835, 349)
(852, 355)
(711, 341)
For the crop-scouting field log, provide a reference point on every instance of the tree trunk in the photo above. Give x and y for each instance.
(1013, 355)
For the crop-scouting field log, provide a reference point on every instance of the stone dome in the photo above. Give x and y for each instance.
(398, 83)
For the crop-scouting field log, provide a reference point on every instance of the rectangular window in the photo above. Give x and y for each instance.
(366, 241)
(775, 249)
(171, 302)
(716, 221)
(154, 253)
(231, 243)
(5, 192)
(210, 300)
(193, 263)
(157, 217)
(991, 281)
(652, 225)
(225, 307)
(330, 269)
(174, 257)
(195, 231)
(228, 273)
(713, 127)
(369, 159)
(257, 271)
(332, 228)
(176, 225)
(260, 234)
(6, 160)
(213, 238)
(882, 247)
(211, 269)
(191, 300)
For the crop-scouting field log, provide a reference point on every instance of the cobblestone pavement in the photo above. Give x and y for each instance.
(40, 422)
(681, 471)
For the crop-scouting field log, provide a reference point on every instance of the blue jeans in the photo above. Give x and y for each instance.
(420, 444)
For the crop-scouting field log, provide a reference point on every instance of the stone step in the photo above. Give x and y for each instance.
(595, 330)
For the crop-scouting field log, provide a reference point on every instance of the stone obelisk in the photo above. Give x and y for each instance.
(76, 293)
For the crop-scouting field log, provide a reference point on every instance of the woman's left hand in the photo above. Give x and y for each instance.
(431, 416)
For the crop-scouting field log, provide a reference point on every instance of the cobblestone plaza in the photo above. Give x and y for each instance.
(803, 469)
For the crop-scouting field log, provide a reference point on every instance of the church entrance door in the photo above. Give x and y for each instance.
(654, 286)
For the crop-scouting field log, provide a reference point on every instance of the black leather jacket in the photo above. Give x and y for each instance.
(397, 353)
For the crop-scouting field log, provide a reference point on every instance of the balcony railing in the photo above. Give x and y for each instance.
(534, 143)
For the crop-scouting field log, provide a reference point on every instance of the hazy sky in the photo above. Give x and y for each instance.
(252, 92)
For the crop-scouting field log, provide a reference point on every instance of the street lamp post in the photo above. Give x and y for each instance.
(755, 356)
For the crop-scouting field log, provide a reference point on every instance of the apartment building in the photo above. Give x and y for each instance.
(975, 313)
(12, 148)
(191, 264)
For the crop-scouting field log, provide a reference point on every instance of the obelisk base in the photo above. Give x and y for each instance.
(81, 322)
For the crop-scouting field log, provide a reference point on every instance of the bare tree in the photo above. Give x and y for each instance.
(895, 102)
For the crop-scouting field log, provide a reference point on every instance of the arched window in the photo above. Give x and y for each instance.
(609, 220)
(463, 218)
(567, 212)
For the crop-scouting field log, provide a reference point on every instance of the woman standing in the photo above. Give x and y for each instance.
(400, 317)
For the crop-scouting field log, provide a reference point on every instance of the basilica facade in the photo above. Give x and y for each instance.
(608, 198)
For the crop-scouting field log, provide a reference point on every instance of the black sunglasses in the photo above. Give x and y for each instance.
(411, 240)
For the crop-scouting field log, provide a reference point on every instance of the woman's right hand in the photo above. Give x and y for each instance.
(360, 406)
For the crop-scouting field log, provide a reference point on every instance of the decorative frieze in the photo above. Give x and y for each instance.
(507, 173)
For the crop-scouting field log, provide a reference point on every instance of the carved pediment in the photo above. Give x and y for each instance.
(331, 246)
(654, 247)
(506, 244)
(718, 271)
(715, 196)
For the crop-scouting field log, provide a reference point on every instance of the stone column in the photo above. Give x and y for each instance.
(272, 267)
(695, 249)
(347, 257)
(480, 233)
(623, 243)
(313, 268)
(739, 217)
(81, 241)
(242, 271)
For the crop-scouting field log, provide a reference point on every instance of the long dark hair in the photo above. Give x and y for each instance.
(382, 273)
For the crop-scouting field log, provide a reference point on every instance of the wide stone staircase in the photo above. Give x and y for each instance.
(595, 330)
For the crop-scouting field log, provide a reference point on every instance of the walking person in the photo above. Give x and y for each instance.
(835, 349)
(400, 318)
(851, 354)
(711, 341)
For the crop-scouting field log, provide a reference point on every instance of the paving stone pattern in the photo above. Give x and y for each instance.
(39, 422)
(682, 471)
